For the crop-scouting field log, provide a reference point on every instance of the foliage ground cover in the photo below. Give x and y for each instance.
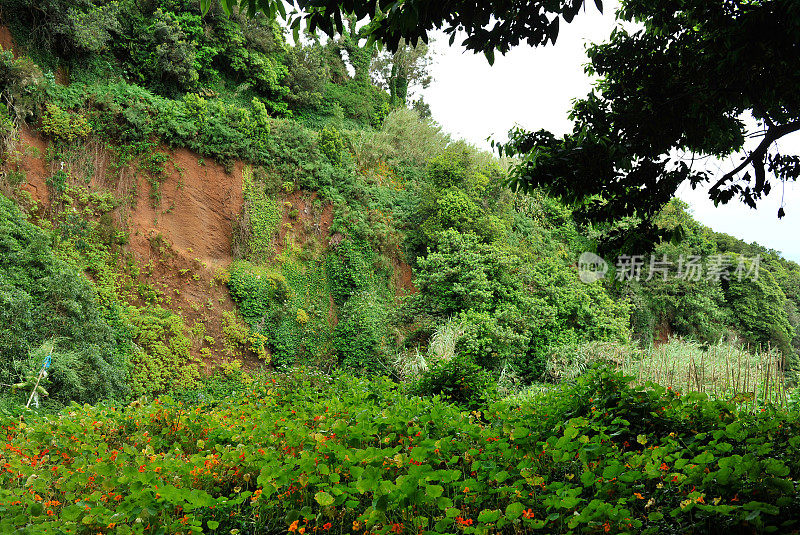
(310, 453)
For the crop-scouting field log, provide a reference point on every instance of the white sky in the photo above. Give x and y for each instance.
(534, 88)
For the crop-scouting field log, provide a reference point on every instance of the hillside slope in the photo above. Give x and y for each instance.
(233, 200)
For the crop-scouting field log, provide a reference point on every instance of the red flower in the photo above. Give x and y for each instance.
(528, 513)
(327, 526)
(664, 466)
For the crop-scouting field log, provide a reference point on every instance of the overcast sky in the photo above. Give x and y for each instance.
(534, 88)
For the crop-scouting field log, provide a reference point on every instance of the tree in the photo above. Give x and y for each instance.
(396, 72)
(676, 92)
(671, 94)
(308, 72)
(489, 26)
(359, 56)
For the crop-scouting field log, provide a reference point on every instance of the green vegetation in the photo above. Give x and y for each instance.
(498, 264)
(645, 106)
(760, 309)
(314, 453)
(369, 245)
(45, 299)
(723, 370)
(102, 347)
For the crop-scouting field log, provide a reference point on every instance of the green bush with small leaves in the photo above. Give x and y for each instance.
(459, 380)
(46, 300)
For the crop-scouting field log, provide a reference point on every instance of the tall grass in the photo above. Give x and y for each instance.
(725, 370)
(411, 363)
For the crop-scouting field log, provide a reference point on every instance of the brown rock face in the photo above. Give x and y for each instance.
(33, 164)
(6, 41)
(198, 205)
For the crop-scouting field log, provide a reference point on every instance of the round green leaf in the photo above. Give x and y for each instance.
(434, 491)
(514, 510)
(324, 499)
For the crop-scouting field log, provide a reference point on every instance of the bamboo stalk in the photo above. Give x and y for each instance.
(35, 387)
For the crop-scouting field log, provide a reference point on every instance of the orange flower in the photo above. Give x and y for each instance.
(528, 513)
(466, 490)
(664, 466)
(638, 495)
(327, 526)
(301, 531)
(606, 527)
(293, 526)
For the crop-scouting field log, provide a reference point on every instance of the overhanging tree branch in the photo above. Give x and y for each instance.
(756, 157)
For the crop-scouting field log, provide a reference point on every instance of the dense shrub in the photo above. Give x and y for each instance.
(743, 289)
(162, 360)
(166, 57)
(758, 307)
(286, 307)
(331, 144)
(63, 125)
(44, 299)
(21, 85)
(515, 307)
(349, 270)
(361, 337)
(459, 380)
(257, 228)
(307, 75)
(404, 142)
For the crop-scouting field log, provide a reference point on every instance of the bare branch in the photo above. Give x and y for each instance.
(773, 134)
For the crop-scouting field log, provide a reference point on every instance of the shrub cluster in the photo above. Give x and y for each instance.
(45, 299)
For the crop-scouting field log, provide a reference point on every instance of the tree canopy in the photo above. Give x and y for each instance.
(681, 89)
(695, 80)
(489, 26)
